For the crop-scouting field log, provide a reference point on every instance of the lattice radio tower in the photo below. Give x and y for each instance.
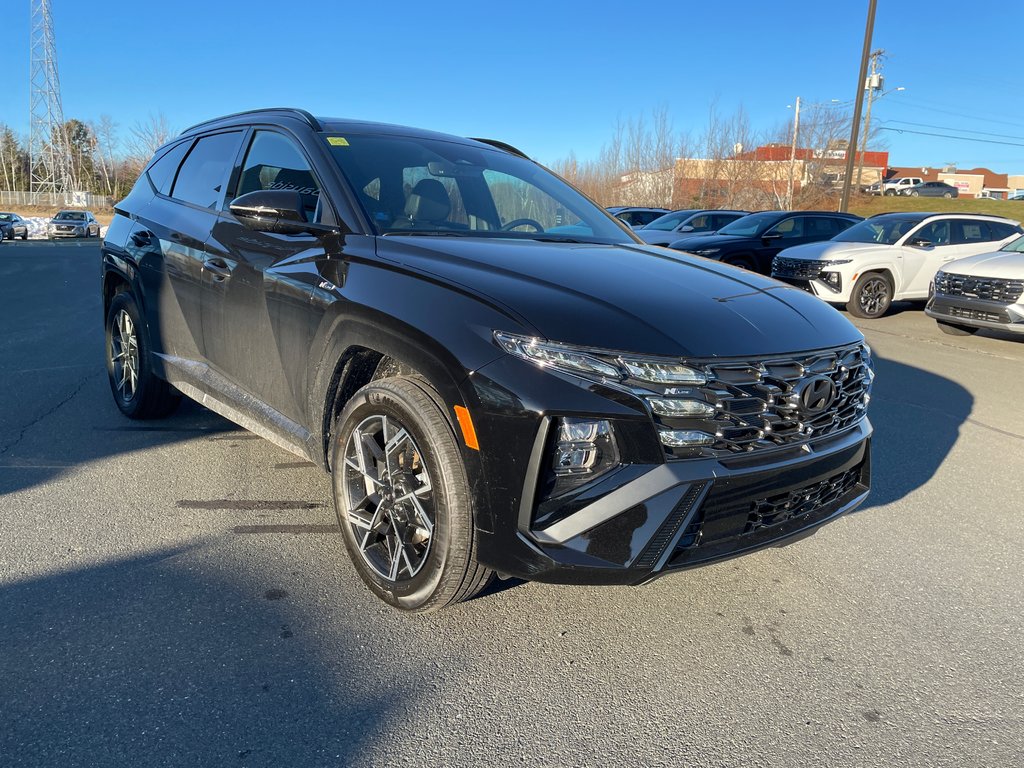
(47, 148)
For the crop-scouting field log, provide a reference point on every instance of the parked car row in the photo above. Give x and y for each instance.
(912, 186)
(68, 223)
(953, 261)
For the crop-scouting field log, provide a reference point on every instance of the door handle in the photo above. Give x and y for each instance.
(142, 238)
(218, 268)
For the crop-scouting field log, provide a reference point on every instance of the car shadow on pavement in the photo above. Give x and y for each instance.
(917, 417)
(171, 659)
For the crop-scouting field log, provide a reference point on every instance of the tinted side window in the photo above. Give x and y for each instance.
(203, 174)
(966, 231)
(161, 173)
(936, 233)
(1001, 231)
(700, 223)
(722, 219)
(790, 228)
(275, 162)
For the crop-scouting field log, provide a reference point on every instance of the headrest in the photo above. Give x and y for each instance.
(428, 201)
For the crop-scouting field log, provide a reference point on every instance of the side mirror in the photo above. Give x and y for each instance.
(920, 242)
(272, 210)
(771, 236)
(687, 228)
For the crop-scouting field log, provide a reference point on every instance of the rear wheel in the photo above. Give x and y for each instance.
(402, 497)
(137, 390)
(743, 262)
(871, 296)
(947, 194)
(955, 329)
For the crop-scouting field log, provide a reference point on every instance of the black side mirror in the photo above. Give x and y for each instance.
(920, 242)
(273, 210)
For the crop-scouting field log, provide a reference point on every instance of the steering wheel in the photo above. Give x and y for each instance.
(521, 223)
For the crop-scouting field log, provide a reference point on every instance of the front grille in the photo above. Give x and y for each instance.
(801, 269)
(771, 511)
(988, 288)
(969, 313)
(760, 404)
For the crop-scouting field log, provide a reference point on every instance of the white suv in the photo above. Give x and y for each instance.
(985, 291)
(890, 256)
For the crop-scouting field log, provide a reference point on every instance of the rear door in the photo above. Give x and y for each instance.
(168, 237)
(257, 288)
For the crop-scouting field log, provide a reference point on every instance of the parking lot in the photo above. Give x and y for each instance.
(176, 593)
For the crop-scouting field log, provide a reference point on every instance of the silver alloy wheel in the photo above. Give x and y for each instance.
(124, 353)
(387, 498)
(874, 296)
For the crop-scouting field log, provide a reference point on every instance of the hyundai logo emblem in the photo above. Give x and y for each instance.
(815, 395)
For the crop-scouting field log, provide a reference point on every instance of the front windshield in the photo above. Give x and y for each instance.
(71, 216)
(669, 221)
(750, 226)
(884, 231)
(1017, 245)
(423, 186)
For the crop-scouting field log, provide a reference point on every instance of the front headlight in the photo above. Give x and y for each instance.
(834, 262)
(707, 251)
(600, 364)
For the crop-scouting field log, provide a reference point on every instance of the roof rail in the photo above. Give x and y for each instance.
(299, 113)
(500, 145)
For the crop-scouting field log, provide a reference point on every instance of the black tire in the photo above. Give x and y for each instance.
(890, 193)
(743, 262)
(149, 397)
(871, 296)
(24, 235)
(434, 573)
(954, 329)
(915, 193)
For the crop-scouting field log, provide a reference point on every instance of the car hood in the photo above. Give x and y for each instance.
(833, 250)
(1002, 264)
(701, 242)
(632, 298)
(660, 237)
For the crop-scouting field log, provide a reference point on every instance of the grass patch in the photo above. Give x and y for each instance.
(869, 205)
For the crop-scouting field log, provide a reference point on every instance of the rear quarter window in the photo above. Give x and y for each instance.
(161, 173)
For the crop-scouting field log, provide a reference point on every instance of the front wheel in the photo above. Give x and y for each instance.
(890, 193)
(955, 329)
(915, 194)
(402, 497)
(137, 390)
(871, 296)
(24, 235)
(743, 262)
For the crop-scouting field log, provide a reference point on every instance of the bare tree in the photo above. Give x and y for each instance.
(106, 145)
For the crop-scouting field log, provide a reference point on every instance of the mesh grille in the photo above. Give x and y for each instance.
(799, 268)
(765, 513)
(987, 288)
(759, 404)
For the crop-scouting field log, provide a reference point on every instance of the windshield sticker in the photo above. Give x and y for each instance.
(337, 141)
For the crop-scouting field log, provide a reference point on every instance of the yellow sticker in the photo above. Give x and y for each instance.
(337, 141)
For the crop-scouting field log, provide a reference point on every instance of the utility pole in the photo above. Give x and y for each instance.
(851, 148)
(48, 150)
(874, 83)
(792, 150)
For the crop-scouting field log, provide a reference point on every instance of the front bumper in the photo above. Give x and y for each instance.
(75, 232)
(976, 313)
(681, 514)
(829, 282)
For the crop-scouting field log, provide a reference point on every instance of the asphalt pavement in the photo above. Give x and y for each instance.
(175, 593)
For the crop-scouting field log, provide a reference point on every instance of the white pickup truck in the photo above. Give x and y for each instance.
(894, 186)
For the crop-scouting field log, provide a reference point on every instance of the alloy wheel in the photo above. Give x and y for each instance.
(874, 297)
(124, 353)
(387, 497)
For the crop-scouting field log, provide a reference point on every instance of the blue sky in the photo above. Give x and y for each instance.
(548, 77)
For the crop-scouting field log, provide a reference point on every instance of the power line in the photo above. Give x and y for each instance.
(905, 102)
(948, 128)
(946, 136)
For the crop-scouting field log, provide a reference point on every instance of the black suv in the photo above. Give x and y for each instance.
(753, 241)
(488, 396)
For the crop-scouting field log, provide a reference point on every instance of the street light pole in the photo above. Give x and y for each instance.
(851, 148)
(792, 151)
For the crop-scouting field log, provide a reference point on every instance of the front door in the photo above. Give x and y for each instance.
(257, 287)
